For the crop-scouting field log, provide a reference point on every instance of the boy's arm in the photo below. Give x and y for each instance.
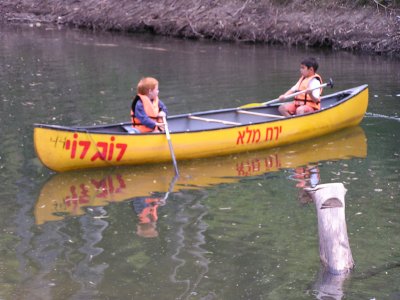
(292, 90)
(315, 92)
(163, 107)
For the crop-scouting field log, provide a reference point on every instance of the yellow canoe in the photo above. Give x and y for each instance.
(67, 194)
(197, 135)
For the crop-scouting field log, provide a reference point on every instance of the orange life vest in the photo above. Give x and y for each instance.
(151, 108)
(304, 99)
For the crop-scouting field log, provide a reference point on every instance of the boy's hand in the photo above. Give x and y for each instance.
(162, 114)
(160, 126)
(282, 97)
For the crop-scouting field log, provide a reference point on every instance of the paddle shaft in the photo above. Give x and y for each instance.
(171, 188)
(330, 83)
(171, 149)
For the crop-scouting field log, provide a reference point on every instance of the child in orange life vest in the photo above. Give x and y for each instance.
(147, 110)
(309, 101)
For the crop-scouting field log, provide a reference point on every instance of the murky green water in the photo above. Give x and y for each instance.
(235, 227)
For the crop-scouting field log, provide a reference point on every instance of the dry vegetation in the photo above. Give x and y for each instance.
(363, 25)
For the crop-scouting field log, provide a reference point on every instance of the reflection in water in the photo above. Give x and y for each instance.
(68, 193)
(188, 239)
(46, 249)
(329, 286)
(306, 177)
(87, 274)
(85, 193)
(54, 251)
(146, 210)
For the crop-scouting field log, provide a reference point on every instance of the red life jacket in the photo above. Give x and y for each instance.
(151, 108)
(305, 99)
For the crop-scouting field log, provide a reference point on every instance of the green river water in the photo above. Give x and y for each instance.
(235, 227)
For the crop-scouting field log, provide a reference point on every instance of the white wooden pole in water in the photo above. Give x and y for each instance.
(334, 248)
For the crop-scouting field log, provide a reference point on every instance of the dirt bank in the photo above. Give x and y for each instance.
(369, 29)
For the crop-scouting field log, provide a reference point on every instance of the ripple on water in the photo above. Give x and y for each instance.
(373, 115)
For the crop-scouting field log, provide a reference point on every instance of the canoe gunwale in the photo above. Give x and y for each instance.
(102, 129)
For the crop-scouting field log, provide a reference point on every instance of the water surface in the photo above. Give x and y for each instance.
(235, 227)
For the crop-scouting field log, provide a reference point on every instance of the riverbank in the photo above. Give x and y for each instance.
(366, 29)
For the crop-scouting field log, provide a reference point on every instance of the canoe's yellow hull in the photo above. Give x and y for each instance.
(63, 150)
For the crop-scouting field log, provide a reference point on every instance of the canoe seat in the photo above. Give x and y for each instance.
(130, 129)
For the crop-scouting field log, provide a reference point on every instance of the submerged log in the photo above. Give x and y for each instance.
(334, 248)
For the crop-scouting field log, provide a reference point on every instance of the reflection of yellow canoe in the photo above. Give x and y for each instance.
(67, 193)
(203, 134)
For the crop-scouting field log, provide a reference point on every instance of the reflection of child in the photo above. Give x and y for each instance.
(148, 230)
(304, 197)
(307, 176)
(146, 210)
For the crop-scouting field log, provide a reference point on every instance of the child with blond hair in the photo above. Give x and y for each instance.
(147, 110)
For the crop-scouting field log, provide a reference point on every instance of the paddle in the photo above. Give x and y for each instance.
(170, 145)
(170, 188)
(330, 83)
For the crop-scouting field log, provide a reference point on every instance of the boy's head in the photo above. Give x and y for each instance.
(146, 84)
(310, 62)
